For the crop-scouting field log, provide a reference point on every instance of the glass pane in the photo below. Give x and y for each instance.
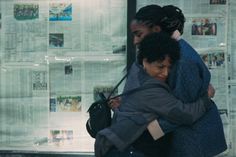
(54, 56)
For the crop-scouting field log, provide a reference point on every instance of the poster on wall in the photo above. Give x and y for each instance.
(39, 80)
(217, 1)
(213, 60)
(60, 12)
(56, 40)
(68, 70)
(67, 104)
(26, 11)
(204, 27)
(60, 137)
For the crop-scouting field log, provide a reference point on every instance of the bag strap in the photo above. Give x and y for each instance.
(113, 90)
(129, 91)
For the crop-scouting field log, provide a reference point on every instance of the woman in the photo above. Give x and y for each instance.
(188, 80)
(157, 52)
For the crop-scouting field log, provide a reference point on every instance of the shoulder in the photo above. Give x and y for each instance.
(188, 52)
(134, 68)
(132, 77)
(185, 46)
(156, 84)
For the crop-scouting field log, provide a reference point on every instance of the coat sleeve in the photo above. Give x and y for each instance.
(161, 102)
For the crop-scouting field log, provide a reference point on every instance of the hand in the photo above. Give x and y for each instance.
(211, 91)
(114, 103)
(176, 35)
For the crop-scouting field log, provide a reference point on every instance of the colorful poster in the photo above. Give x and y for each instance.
(204, 26)
(68, 104)
(60, 12)
(213, 60)
(26, 11)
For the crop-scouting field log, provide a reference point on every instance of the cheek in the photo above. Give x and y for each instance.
(154, 72)
(158, 72)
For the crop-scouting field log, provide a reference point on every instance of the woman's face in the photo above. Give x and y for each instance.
(139, 31)
(158, 69)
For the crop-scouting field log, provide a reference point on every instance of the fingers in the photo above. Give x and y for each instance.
(211, 91)
(114, 103)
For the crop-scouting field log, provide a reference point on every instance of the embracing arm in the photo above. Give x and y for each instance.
(186, 113)
(160, 101)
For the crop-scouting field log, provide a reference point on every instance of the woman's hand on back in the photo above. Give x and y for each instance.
(211, 91)
(114, 103)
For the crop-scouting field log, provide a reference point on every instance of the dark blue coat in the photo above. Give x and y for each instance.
(188, 80)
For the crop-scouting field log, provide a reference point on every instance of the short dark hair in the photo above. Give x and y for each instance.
(156, 46)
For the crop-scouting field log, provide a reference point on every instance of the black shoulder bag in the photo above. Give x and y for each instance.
(100, 112)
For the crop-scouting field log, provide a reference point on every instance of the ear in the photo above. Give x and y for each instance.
(156, 28)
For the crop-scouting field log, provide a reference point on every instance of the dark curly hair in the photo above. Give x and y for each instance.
(157, 46)
(169, 17)
(150, 15)
(174, 19)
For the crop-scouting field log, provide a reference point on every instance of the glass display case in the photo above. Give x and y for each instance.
(54, 56)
